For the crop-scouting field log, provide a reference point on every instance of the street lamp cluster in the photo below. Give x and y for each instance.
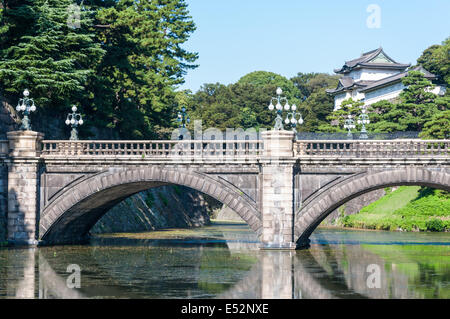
(26, 105)
(292, 117)
(363, 119)
(182, 119)
(74, 119)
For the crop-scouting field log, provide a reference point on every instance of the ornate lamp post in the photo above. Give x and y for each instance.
(183, 119)
(279, 107)
(349, 124)
(26, 105)
(74, 119)
(294, 118)
(363, 120)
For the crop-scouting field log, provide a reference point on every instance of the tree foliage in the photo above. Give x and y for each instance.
(337, 118)
(122, 63)
(416, 107)
(436, 59)
(45, 54)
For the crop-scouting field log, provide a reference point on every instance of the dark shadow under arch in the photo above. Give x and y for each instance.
(70, 215)
(332, 197)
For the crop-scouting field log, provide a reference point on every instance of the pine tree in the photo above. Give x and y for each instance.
(417, 105)
(337, 118)
(48, 49)
(145, 61)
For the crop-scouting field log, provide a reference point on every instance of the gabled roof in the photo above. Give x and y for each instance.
(372, 59)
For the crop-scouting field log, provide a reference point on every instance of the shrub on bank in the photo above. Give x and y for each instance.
(428, 211)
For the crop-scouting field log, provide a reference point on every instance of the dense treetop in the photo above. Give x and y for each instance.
(122, 62)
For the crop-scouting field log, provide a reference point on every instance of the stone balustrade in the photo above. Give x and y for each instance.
(156, 149)
(371, 148)
(253, 148)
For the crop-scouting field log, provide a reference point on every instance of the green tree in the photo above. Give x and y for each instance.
(337, 118)
(144, 61)
(309, 83)
(438, 127)
(436, 59)
(316, 104)
(265, 79)
(417, 105)
(243, 104)
(41, 51)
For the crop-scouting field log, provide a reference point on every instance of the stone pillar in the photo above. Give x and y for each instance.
(23, 181)
(277, 207)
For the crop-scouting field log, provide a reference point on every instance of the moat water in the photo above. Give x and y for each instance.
(223, 261)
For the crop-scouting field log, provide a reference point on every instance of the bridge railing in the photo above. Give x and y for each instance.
(154, 149)
(372, 148)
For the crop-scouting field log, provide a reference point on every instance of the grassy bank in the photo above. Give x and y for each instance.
(405, 209)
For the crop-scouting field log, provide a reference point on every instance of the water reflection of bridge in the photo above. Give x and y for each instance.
(318, 273)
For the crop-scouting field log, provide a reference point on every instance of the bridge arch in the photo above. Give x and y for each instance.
(72, 213)
(317, 208)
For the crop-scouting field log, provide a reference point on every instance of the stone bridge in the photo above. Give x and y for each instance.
(55, 191)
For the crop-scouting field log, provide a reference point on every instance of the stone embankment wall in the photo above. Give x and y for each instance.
(350, 208)
(355, 205)
(156, 208)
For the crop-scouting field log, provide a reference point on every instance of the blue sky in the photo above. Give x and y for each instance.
(235, 37)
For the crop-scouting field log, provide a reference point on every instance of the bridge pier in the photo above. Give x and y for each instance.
(23, 183)
(278, 190)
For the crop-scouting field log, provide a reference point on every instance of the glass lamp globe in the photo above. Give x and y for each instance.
(286, 121)
(33, 108)
(23, 107)
(26, 93)
(271, 107)
(294, 107)
(279, 106)
(279, 91)
(287, 106)
(74, 108)
(188, 120)
(72, 121)
(300, 121)
(67, 122)
(80, 122)
(293, 121)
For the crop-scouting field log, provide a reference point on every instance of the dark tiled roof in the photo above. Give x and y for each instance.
(346, 83)
(366, 57)
(396, 78)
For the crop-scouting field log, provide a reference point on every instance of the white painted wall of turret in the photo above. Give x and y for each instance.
(384, 93)
(338, 99)
(371, 74)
